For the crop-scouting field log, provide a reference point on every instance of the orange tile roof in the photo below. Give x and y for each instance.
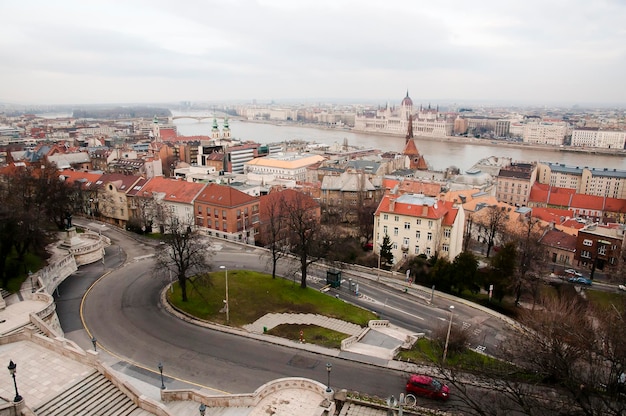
(558, 216)
(224, 196)
(88, 179)
(174, 190)
(122, 182)
(444, 210)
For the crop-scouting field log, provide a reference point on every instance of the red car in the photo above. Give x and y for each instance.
(427, 387)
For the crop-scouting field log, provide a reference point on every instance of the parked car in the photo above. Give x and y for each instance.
(580, 280)
(572, 273)
(426, 386)
(622, 287)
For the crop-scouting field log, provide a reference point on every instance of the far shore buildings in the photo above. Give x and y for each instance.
(426, 122)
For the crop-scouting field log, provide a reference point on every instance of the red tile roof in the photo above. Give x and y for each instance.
(559, 239)
(557, 216)
(87, 179)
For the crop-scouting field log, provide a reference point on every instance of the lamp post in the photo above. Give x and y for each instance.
(93, 341)
(12, 368)
(445, 349)
(226, 301)
(329, 367)
(202, 409)
(160, 366)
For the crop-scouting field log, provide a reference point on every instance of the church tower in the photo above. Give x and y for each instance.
(156, 131)
(226, 129)
(416, 160)
(215, 132)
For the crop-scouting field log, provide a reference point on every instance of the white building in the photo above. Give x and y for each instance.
(417, 224)
(551, 133)
(588, 181)
(289, 166)
(594, 137)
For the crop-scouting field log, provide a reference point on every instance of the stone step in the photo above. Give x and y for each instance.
(93, 395)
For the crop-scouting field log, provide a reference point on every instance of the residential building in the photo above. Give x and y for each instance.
(418, 224)
(596, 137)
(225, 212)
(560, 247)
(514, 182)
(165, 199)
(343, 195)
(590, 181)
(111, 199)
(600, 247)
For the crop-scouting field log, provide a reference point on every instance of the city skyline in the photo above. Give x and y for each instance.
(529, 53)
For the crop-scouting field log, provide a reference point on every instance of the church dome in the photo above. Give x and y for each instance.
(407, 102)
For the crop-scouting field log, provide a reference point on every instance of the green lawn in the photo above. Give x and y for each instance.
(252, 295)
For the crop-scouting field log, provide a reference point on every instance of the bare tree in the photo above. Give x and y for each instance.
(306, 237)
(184, 252)
(274, 227)
(494, 225)
(530, 258)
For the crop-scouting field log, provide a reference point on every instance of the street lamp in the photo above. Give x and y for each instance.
(329, 367)
(93, 341)
(445, 349)
(12, 367)
(160, 366)
(226, 301)
(202, 409)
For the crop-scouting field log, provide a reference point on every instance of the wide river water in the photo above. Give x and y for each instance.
(439, 154)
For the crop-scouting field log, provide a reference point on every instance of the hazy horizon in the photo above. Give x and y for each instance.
(539, 53)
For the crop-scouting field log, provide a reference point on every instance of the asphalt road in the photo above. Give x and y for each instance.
(122, 311)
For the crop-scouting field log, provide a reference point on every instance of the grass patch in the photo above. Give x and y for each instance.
(252, 295)
(428, 352)
(311, 334)
(606, 299)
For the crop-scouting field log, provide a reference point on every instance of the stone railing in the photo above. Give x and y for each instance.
(52, 275)
(252, 400)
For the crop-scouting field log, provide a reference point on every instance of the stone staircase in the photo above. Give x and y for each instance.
(94, 395)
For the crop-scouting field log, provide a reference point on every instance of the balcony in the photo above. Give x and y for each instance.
(404, 247)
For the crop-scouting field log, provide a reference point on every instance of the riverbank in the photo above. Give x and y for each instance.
(450, 139)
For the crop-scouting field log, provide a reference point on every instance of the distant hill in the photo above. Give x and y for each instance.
(122, 112)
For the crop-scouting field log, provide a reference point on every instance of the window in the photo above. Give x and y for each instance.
(587, 243)
(405, 241)
(418, 221)
(446, 248)
(602, 250)
(407, 225)
(224, 213)
(417, 234)
(429, 237)
(395, 246)
(417, 249)
(385, 230)
(446, 233)
(216, 212)
(385, 216)
(224, 226)
(586, 254)
(428, 251)
(208, 211)
(395, 230)
(430, 224)
(396, 218)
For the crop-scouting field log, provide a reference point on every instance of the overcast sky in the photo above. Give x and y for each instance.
(442, 51)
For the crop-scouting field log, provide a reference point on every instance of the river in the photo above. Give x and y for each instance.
(439, 154)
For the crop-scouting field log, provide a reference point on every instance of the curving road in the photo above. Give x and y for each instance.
(122, 310)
